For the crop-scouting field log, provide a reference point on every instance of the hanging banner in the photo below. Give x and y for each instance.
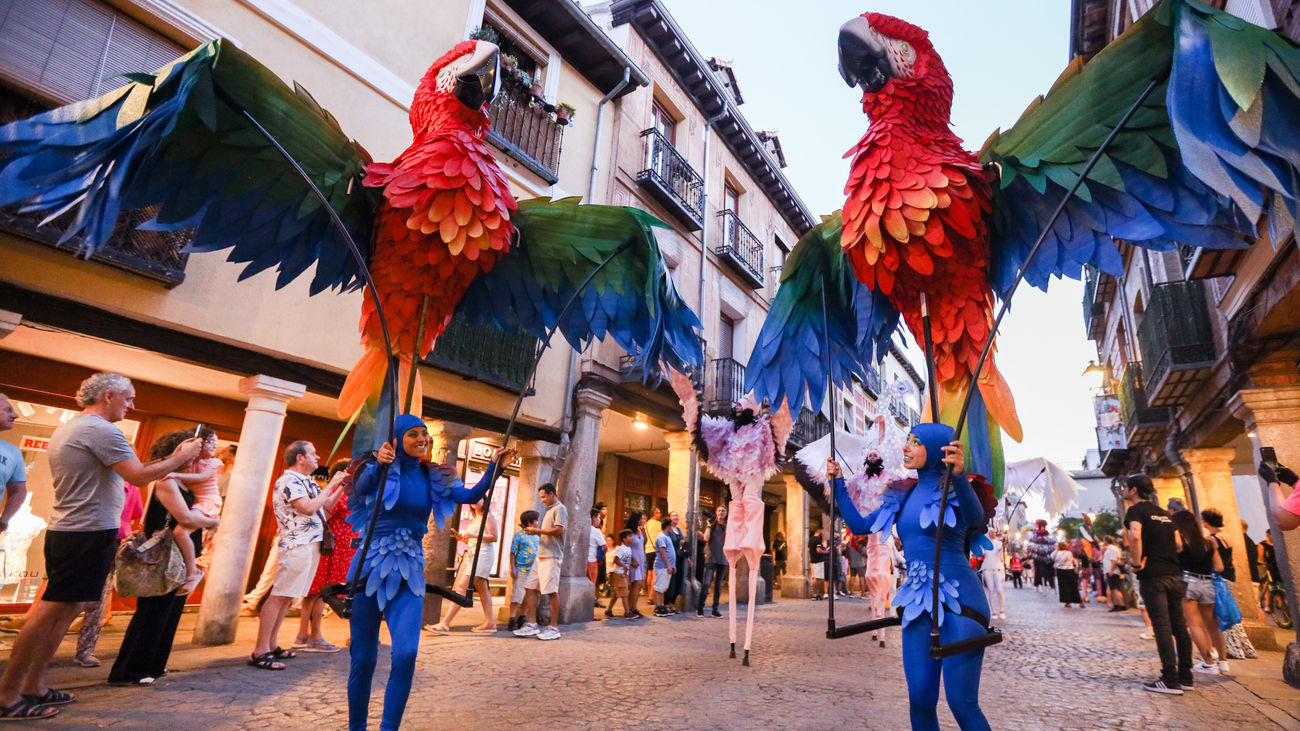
(1110, 427)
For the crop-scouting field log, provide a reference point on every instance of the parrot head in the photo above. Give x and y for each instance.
(458, 86)
(893, 60)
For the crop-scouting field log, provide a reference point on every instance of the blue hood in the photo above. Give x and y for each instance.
(405, 423)
(933, 437)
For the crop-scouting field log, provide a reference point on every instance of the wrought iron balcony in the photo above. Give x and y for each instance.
(1094, 312)
(873, 382)
(904, 413)
(740, 248)
(1176, 342)
(726, 386)
(808, 428)
(672, 180)
(157, 255)
(526, 131)
(1144, 426)
(484, 353)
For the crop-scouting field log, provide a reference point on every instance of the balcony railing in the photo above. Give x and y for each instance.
(525, 131)
(484, 353)
(1093, 311)
(808, 428)
(873, 382)
(157, 255)
(726, 386)
(1176, 342)
(740, 248)
(672, 180)
(904, 413)
(1144, 426)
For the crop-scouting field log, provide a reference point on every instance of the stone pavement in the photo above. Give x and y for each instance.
(1058, 668)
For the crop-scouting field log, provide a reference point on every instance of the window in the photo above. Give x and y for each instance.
(662, 121)
(726, 337)
(730, 198)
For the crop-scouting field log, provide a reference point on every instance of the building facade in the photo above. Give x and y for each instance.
(1201, 350)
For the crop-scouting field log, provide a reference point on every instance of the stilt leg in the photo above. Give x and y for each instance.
(731, 603)
(753, 603)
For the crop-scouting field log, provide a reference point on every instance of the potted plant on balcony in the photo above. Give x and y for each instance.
(509, 65)
(564, 113)
(486, 33)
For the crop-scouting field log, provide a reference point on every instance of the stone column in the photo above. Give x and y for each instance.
(446, 437)
(1212, 481)
(795, 583)
(577, 490)
(9, 322)
(241, 515)
(1272, 416)
(1167, 487)
(683, 497)
(538, 463)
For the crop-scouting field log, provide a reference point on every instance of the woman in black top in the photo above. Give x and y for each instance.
(1199, 561)
(1213, 521)
(780, 552)
(148, 640)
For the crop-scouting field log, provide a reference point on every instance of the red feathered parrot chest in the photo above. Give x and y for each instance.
(916, 214)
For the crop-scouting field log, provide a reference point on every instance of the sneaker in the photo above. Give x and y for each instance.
(528, 630)
(1223, 667)
(1119, 609)
(632, 615)
(609, 614)
(661, 612)
(699, 614)
(1158, 686)
(716, 614)
(1206, 668)
(1146, 636)
(510, 625)
(1002, 615)
(549, 633)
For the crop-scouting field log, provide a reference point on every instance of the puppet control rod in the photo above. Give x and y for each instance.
(937, 649)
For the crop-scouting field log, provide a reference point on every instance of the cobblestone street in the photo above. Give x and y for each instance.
(1057, 668)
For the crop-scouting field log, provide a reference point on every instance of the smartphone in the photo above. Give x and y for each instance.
(198, 429)
(1268, 455)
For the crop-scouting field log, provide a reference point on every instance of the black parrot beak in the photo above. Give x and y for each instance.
(477, 84)
(863, 61)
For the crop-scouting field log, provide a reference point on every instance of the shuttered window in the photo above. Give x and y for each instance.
(62, 50)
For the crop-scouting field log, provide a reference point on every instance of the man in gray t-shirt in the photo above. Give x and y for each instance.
(89, 458)
(550, 556)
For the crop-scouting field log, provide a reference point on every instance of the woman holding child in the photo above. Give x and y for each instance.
(148, 641)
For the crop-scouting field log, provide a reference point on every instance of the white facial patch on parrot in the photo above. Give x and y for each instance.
(447, 76)
(902, 56)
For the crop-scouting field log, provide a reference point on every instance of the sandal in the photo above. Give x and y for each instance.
(279, 653)
(265, 661)
(25, 710)
(50, 697)
(484, 630)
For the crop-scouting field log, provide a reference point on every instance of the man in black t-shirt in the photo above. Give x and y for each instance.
(1153, 549)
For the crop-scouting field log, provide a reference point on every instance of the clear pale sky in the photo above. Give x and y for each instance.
(1001, 54)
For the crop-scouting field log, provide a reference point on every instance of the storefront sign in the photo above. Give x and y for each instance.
(35, 444)
(483, 451)
(1110, 427)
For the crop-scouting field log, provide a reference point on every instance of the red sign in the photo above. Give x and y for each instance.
(36, 444)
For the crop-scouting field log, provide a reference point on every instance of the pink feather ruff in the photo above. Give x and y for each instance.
(736, 456)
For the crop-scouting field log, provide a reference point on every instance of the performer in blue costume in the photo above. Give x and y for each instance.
(394, 570)
(913, 506)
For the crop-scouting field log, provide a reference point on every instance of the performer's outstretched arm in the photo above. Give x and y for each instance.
(469, 495)
(857, 524)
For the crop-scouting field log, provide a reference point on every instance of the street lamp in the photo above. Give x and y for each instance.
(1094, 376)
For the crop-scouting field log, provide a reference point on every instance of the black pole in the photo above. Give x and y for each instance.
(374, 292)
(415, 355)
(931, 381)
(945, 481)
(829, 571)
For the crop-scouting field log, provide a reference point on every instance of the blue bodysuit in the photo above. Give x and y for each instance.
(915, 513)
(394, 570)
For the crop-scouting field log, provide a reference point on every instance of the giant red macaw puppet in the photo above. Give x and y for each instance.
(441, 231)
(1204, 109)
(1207, 152)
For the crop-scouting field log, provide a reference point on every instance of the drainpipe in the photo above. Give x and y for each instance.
(1181, 468)
(704, 205)
(565, 426)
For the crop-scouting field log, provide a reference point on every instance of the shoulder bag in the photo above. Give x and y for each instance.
(149, 565)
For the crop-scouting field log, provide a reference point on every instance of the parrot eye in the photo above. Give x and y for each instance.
(906, 47)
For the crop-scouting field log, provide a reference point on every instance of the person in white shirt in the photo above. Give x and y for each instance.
(994, 576)
(595, 542)
(1111, 569)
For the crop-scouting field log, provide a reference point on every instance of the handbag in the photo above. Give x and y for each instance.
(327, 535)
(1225, 607)
(149, 565)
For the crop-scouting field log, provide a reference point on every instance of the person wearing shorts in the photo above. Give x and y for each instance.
(550, 556)
(297, 503)
(620, 564)
(665, 566)
(89, 458)
(523, 579)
